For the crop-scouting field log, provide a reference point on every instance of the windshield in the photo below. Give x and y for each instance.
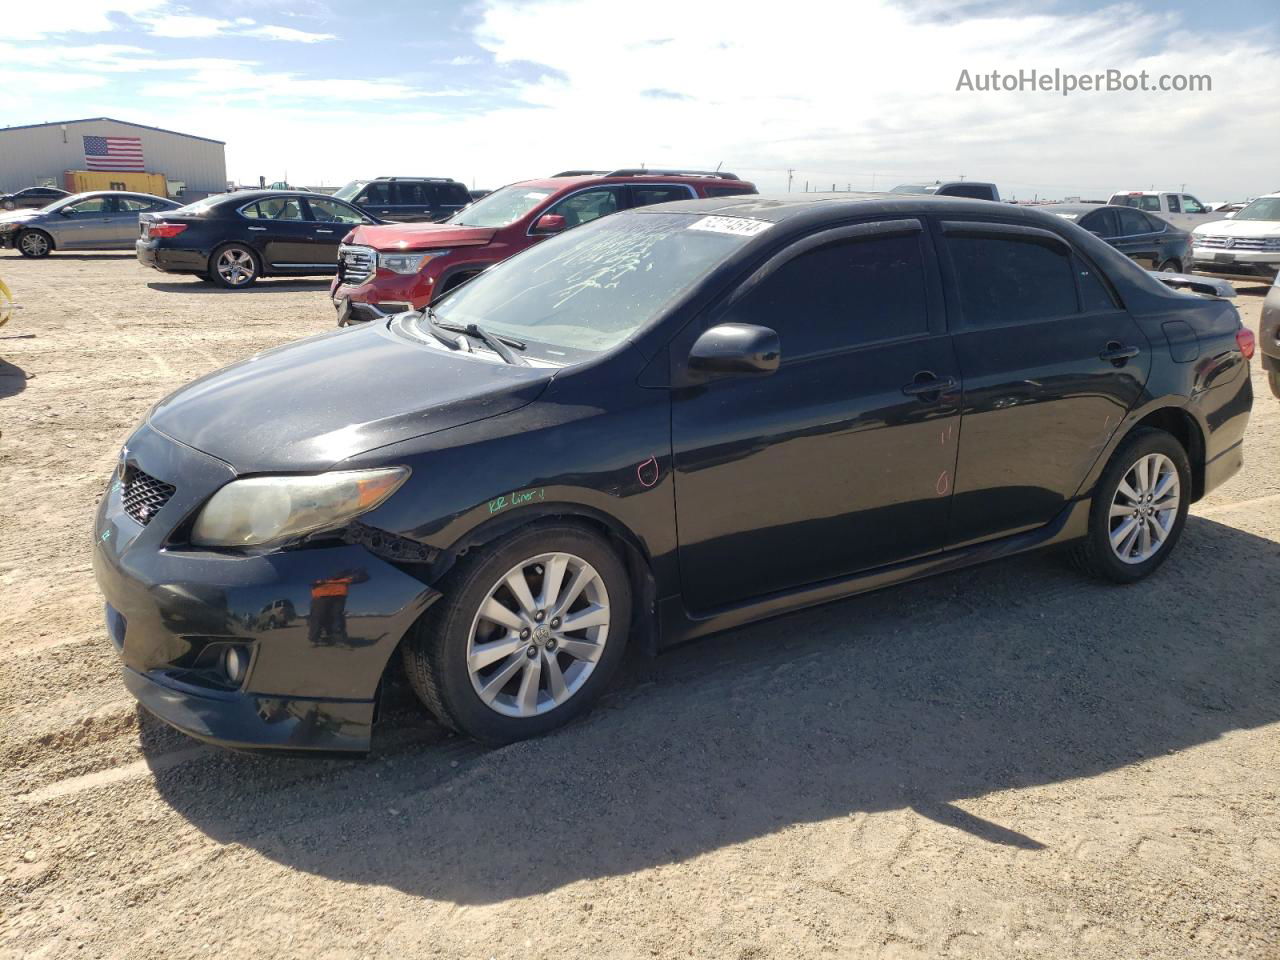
(586, 291)
(63, 201)
(501, 207)
(1264, 208)
(350, 190)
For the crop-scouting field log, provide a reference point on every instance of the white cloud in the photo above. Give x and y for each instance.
(185, 26)
(288, 34)
(23, 20)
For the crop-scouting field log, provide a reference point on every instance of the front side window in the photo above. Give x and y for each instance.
(1006, 280)
(845, 294)
(90, 206)
(330, 211)
(502, 207)
(580, 208)
(584, 292)
(1191, 205)
(375, 194)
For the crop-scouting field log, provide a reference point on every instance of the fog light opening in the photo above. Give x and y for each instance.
(235, 664)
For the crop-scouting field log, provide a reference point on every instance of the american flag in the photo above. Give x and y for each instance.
(113, 153)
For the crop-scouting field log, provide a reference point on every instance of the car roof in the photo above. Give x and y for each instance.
(1078, 208)
(116, 193)
(587, 179)
(248, 196)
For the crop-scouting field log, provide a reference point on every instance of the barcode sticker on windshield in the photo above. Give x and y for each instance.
(737, 226)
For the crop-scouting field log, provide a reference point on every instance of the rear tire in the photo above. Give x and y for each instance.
(234, 266)
(34, 243)
(1273, 378)
(1138, 510)
(546, 672)
(1170, 266)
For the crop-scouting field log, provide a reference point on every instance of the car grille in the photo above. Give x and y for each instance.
(1238, 243)
(355, 264)
(144, 495)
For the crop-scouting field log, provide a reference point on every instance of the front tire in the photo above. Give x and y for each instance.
(528, 634)
(1139, 508)
(34, 243)
(234, 266)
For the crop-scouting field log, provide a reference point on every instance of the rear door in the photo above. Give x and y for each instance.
(840, 461)
(1051, 365)
(1137, 238)
(124, 221)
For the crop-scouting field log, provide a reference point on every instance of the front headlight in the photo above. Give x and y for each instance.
(9, 227)
(407, 262)
(262, 510)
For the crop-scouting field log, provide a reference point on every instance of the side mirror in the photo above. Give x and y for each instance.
(549, 223)
(66, 211)
(735, 350)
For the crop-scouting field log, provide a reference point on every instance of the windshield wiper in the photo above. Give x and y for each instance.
(494, 341)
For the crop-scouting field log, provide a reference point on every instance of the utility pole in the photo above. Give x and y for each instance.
(791, 171)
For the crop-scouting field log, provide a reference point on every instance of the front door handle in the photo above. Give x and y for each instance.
(324, 231)
(1117, 354)
(926, 383)
(257, 228)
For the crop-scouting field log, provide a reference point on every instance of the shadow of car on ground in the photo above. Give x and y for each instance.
(1009, 676)
(265, 285)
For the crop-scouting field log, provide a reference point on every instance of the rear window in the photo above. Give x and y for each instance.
(728, 191)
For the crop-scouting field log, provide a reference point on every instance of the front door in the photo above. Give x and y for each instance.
(331, 220)
(840, 461)
(1051, 366)
(85, 224)
(285, 235)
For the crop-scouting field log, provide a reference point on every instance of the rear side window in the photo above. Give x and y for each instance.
(130, 205)
(1174, 205)
(407, 193)
(1094, 294)
(451, 194)
(274, 209)
(1149, 203)
(1007, 280)
(648, 195)
(1102, 222)
(842, 295)
(1132, 223)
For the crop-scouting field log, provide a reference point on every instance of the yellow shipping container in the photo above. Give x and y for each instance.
(80, 181)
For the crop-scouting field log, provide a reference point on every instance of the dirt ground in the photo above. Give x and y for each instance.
(1007, 762)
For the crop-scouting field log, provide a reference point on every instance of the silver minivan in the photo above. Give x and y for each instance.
(100, 220)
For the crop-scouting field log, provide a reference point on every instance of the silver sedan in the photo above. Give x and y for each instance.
(101, 220)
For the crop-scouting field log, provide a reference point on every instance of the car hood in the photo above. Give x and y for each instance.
(18, 216)
(420, 236)
(1240, 228)
(309, 405)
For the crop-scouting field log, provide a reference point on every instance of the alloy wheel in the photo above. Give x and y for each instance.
(235, 266)
(538, 635)
(34, 244)
(1144, 508)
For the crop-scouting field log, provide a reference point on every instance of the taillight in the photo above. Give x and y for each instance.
(163, 229)
(1246, 342)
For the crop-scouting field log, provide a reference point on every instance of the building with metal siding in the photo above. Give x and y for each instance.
(43, 152)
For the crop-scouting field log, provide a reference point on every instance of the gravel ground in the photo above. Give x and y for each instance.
(1008, 762)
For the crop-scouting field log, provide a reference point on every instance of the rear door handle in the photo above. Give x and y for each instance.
(324, 231)
(926, 383)
(1118, 354)
(257, 228)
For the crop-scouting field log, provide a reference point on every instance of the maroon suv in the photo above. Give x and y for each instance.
(389, 268)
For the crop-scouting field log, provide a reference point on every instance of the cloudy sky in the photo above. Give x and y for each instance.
(859, 93)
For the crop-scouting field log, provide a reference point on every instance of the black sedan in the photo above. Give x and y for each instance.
(668, 422)
(1143, 237)
(32, 198)
(233, 239)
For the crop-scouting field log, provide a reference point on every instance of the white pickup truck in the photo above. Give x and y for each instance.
(1180, 209)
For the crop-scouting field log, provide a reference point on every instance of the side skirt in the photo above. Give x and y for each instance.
(678, 625)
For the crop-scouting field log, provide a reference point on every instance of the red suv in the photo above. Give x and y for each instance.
(389, 268)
